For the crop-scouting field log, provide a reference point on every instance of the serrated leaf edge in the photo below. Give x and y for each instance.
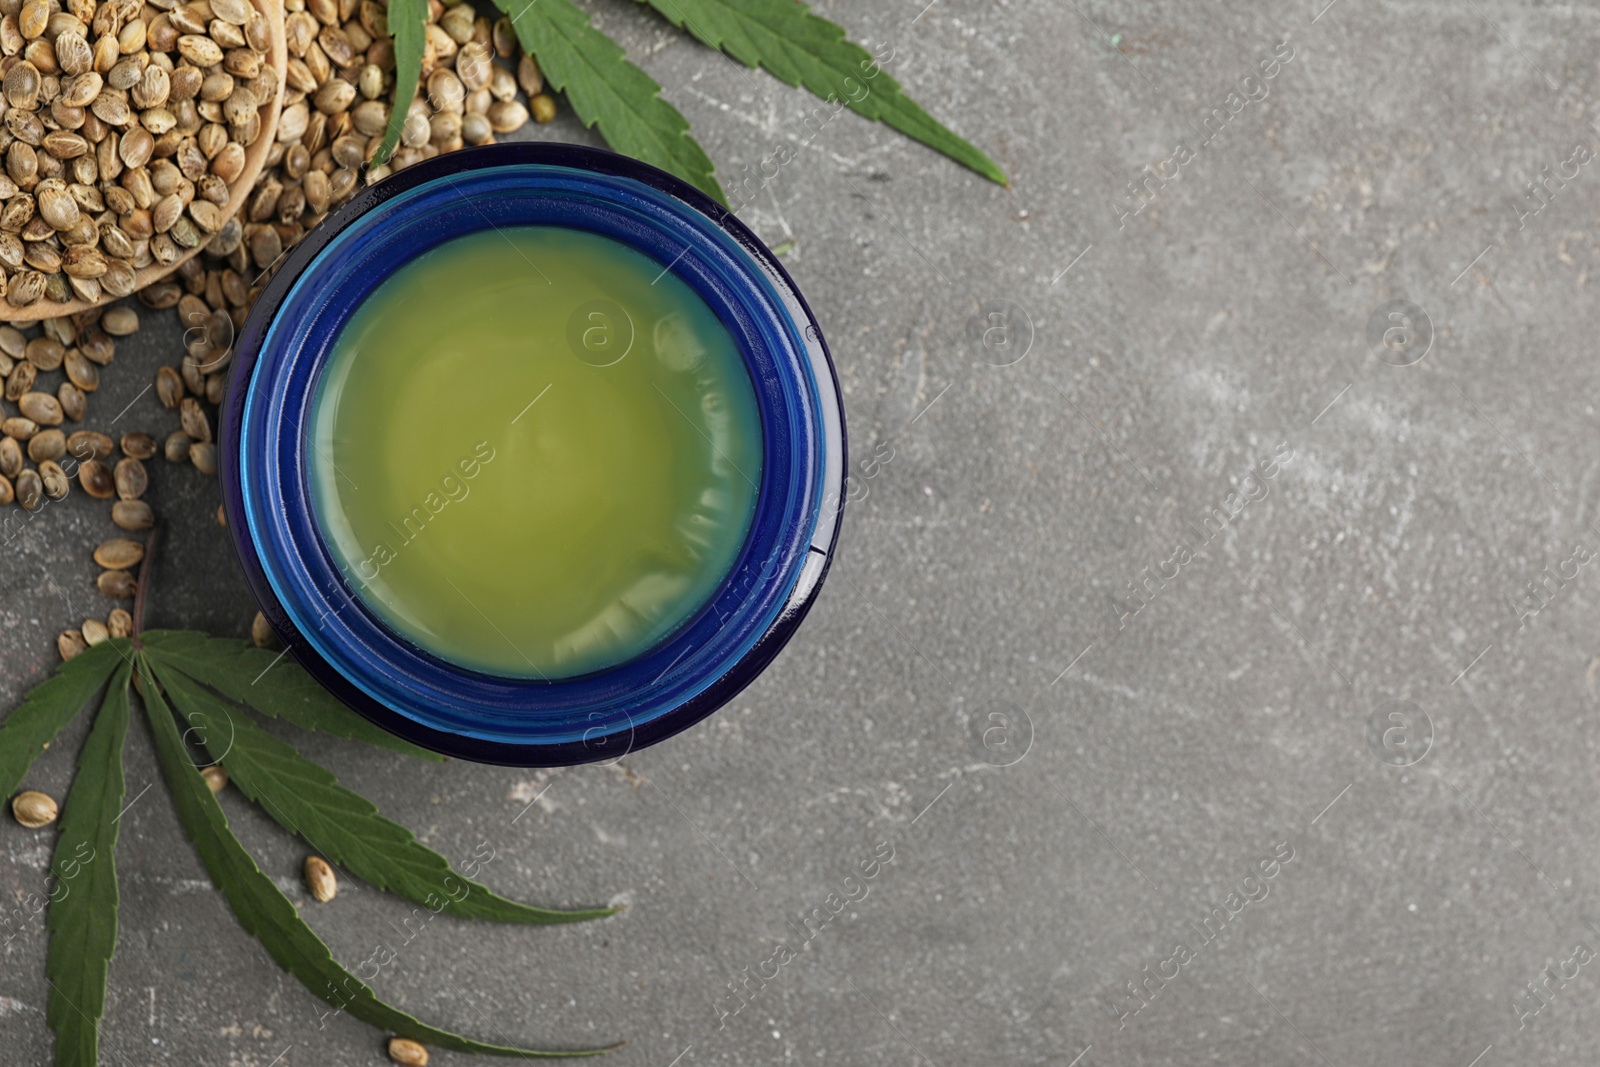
(234, 753)
(207, 826)
(96, 792)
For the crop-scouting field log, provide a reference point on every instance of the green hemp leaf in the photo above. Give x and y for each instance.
(799, 48)
(608, 92)
(406, 21)
(195, 690)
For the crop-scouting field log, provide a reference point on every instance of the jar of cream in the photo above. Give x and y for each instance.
(533, 454)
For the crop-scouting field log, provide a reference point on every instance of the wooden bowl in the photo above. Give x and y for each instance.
(255, 158)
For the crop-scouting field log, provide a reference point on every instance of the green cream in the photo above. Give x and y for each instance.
(535, 452)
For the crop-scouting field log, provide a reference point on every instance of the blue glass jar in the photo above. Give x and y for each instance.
(405, 689)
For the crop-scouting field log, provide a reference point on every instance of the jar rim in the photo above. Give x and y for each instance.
(447, 707)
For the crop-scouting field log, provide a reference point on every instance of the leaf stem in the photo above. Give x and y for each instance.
(143, 584)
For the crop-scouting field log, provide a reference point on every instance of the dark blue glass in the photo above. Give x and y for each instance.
(404, 688)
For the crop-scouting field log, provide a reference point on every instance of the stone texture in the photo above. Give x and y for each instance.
(975, 615)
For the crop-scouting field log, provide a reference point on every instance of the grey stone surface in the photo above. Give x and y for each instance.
(1158, 757)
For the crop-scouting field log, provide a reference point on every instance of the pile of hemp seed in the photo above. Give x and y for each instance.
(124, 122)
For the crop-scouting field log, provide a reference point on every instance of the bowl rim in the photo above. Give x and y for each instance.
(805, 571)
(255, 162)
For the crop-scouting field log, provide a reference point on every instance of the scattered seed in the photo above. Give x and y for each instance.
(130, 478)
(194, 420)
(51, 444)
(475, 128)
(117, 585)
(502, 84)
(20, 428)
(119, 623)
(194, 379)
(508, 115)
(177, 446)
(87, 444)
(261, 632)
(20, 380)
(34, 809)
(45, 353)
(98, 346)
(216, 778)
(132, 515)
(74, 402)
(41, 408)
(339, 84)
(55, 480)
(70, 643)
(504, 38)
(126, 130)
(169, 387)
(408, 1053)
(81, 370)
(529, 77)
(138, 445)
(96, 480)
(94, 632)
(203, 454)
(120, 321)
(320, 879)
(30, 490)
(118, 554)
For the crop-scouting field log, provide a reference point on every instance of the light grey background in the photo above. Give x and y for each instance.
(1171, 353)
